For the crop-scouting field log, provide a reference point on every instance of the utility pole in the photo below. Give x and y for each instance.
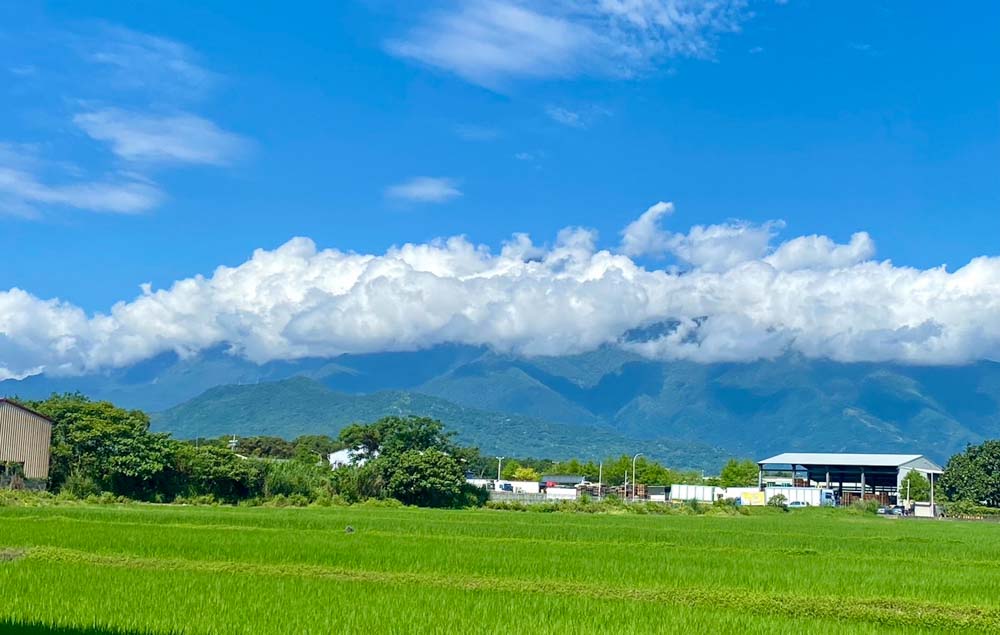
(633, 474)
(499, 463)
(600, 479)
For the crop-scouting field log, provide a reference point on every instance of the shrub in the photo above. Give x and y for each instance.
(295, 477)
(725, 507)
(967, 509)
(330, 500)
(298, 500)
(778, 500)
(25, 498)
(79, 485)
(694, 507)
(390, 503)
(510, 506)
(472, 496)
(865, 507)
(278, 500)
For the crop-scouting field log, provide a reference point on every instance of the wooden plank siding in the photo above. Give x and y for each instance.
(24, 438)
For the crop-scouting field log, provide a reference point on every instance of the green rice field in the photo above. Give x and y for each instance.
(170, 569)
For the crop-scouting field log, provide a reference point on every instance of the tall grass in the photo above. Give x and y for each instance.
(239, 570)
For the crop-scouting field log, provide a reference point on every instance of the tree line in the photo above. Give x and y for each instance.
(98, 448)
(613, 471)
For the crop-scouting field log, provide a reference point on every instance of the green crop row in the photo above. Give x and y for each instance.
(161, 569)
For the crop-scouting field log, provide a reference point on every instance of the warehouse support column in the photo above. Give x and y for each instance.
(760, 476)
(862, 483)
(933, 508)
(827, 484)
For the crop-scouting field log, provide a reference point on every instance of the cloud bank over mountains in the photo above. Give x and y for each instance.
(733, 292)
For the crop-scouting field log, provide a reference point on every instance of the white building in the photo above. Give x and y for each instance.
(342, 458)
(863, 474)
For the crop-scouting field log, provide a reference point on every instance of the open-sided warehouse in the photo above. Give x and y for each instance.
(25, 436)
(850, 475)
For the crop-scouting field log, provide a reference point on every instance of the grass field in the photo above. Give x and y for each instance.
(146, 569)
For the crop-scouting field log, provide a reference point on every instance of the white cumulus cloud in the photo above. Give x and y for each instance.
(643, 236)
(760, 299)
(708, 248)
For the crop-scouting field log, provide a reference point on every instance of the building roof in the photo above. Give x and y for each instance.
(852, 460)
(4, 400)
(563, 478)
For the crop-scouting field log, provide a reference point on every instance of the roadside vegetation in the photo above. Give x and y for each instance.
(102, 453)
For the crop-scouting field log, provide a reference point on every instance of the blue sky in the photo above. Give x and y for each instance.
(150, 142)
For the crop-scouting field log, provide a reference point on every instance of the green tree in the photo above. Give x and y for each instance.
(264, 446)
(364, 439)
(395, 435)
(647, 471)
(738, 473)
(428, 478)
(916, 486)
(109, 445)
(219, 472)
(615, 470)
(314, 447)
(974, 475)
(142, 466)
(410, 458)
(525, 474)
(510, 466)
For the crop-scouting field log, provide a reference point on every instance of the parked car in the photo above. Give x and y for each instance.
(797, 504)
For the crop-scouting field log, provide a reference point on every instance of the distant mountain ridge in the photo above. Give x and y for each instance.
(746, 409)
(299, 405)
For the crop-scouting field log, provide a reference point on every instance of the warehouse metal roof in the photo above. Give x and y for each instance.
(5, 400)
(853, 460)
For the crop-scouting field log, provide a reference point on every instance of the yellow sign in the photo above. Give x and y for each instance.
(752, 498)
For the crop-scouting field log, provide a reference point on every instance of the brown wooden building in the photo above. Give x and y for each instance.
(25, 436)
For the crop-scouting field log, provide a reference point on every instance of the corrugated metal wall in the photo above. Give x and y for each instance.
(25, 438)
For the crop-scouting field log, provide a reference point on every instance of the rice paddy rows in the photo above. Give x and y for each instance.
(147, 569)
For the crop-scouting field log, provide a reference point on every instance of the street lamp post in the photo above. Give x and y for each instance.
(600, 479)
(633, 474)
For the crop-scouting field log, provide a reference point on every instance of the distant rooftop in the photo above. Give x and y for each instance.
(851, 460)
(563, 478)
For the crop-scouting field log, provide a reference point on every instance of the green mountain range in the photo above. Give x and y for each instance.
(569, 405)
(299, 405)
